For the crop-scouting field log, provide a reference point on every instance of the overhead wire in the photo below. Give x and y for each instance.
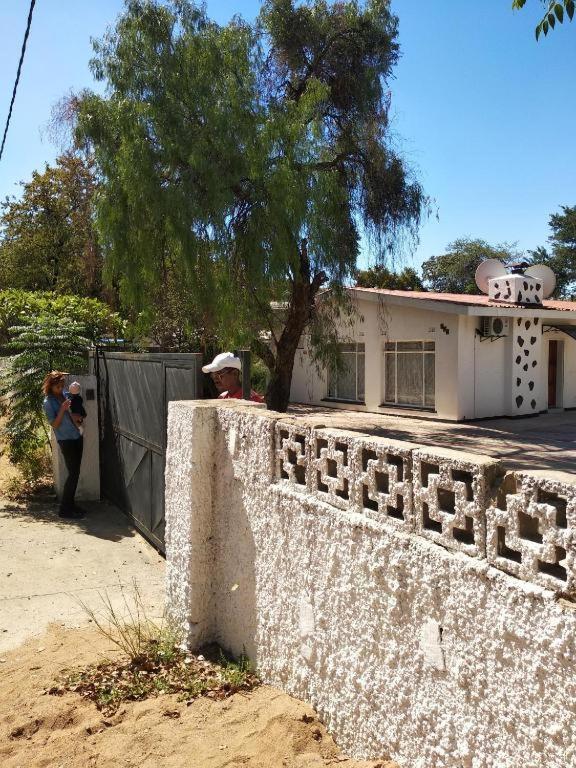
(22, 53)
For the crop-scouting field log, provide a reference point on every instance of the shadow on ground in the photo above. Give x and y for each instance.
(102, 520)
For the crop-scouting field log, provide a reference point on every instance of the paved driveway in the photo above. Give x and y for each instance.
(542, 442)
(48, 565)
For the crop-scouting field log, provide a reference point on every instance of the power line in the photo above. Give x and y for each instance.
(23, 51)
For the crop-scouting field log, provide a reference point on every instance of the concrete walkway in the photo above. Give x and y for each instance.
(48, 565)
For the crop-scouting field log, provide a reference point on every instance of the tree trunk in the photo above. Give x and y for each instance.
(301, 307)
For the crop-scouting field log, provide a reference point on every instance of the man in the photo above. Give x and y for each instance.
(225, 371)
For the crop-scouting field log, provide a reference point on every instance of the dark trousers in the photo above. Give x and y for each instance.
(72, 453)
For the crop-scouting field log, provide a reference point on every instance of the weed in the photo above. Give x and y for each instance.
(153, 663)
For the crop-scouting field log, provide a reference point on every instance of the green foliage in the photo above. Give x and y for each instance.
(382, 277)
(41, 344)
(47, 237)
(561, 257)
(453, 271)
(250, 156)
(95, 318)
(554, 11)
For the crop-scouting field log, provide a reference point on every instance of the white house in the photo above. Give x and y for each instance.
(457, 356)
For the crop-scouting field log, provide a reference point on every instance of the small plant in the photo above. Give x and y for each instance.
(152, 662)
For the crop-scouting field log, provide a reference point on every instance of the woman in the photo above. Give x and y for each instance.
(70, 442)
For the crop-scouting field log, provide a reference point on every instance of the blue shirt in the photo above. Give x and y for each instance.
(67, 429)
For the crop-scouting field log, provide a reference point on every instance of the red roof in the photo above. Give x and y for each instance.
(470, 299)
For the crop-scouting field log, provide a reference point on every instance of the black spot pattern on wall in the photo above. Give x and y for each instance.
(519, 297)
(525, 361)
(536, 320)
(538, 286)
(525, 284)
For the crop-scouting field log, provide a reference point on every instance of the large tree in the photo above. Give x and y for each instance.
(47, 236)
(453, 271)
(253, 155)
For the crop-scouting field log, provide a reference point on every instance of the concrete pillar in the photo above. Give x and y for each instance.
(89, 483)
(524, 365)
(189, 523)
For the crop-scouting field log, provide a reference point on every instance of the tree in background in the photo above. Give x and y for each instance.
(47, 238)
(561, 257)
(382, 277)
(555, 11)
(453, 271)
(252, 155)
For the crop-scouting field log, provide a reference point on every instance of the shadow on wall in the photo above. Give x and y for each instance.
(234, 582)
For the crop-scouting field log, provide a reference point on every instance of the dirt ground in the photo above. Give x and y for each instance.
(263, 729)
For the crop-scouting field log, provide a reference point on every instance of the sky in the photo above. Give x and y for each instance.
(484, 115)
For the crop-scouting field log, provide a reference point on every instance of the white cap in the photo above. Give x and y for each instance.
(221, 361)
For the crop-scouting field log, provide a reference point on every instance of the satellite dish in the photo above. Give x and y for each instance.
(486, 271)
(545, 275)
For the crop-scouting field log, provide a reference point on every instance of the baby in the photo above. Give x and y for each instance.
(76, 405)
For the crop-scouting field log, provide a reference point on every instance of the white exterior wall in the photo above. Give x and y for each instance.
(410, 644)
(475, 378)
(377, 324)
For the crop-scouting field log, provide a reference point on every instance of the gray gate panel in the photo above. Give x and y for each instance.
(134, 392)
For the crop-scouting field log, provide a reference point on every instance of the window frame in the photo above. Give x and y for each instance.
(423, 351)
(357, 354)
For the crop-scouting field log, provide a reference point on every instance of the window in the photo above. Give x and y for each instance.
(409, 373)
(347, 383)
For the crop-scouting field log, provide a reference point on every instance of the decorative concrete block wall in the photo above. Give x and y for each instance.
(532, 530)
(409, 642)
(451, 492)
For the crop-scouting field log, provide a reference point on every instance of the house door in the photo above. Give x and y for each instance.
(554, 373)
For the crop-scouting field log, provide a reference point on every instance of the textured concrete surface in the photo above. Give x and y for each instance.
(542, 442)
(48, 565)
(402, 646)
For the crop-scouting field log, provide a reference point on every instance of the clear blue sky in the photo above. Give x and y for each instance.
(483, 112)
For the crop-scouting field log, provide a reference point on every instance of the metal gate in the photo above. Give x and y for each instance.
(134, 391)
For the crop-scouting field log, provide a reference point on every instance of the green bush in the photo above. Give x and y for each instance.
(94, 317)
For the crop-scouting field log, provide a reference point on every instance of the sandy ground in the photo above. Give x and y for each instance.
(46, 566)
(263, 729)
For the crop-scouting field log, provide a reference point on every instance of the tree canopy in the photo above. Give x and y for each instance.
(561, 256)
(453, 271)
(47, 237)
(382, 277)
(250, 155)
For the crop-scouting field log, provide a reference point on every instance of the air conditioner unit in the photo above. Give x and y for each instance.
(494, 326)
